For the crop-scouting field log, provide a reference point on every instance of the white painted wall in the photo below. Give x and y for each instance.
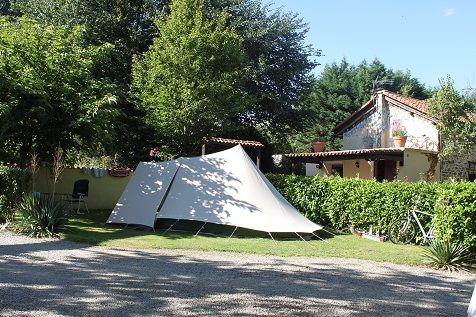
(415, 166)
(375, 131)
(421, 132)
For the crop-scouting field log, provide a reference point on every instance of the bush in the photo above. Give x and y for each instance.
(450, 256)
(339, 202)
(14, 183)
(42, 215)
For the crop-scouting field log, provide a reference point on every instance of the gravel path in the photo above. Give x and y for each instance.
(44, 277)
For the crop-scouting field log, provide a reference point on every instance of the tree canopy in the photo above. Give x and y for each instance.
(190, 81)
(48, 96)
(455, 114)
(340, 90)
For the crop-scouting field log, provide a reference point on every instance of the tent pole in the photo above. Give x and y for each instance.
(302, 238)
(231, 235)
(272, 238)
(196, 234)
(319, 237)
(171, 226)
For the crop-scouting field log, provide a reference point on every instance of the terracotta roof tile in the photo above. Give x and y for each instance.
(417, 104)
(235, 142)
(348, 152)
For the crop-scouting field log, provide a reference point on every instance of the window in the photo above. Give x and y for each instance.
(471, 171)
(337, 169)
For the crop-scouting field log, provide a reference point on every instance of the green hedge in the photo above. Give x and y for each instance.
(14, 182)
(339, 202)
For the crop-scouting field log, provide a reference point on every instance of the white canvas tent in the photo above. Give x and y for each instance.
(221, 188)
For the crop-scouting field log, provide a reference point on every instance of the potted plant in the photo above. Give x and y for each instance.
(399, 137)
(318, 146)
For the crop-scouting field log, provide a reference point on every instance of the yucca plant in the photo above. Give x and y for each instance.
(42, 216)
(450, 256)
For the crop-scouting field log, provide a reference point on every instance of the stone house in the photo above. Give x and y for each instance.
(369, 150)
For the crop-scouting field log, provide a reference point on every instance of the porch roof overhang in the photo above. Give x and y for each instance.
(391, 154)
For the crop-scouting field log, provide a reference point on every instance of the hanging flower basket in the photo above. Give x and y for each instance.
(119, 171)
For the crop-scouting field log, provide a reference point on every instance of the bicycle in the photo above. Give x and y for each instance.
(403, 230)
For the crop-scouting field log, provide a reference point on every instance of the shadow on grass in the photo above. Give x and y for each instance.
(70, 279)
(92, 228)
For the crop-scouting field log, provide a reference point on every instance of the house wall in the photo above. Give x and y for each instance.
(104, 192)
(365, 134)
(326, 170)
(457, 167)
(375, 130)
(364, 171)
(415, 166)
(421, 132)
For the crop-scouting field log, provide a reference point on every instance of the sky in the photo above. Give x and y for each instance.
(430, 38)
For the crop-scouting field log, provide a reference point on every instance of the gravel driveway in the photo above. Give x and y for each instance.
(42, 277)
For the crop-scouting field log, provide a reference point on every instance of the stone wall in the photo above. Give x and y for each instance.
(458, 166)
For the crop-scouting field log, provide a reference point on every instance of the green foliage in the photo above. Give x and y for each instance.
(280, 64)
(127, 28)
(455, 115)
(339, 202)
(14, 182)
(399, 132)
(455, 212)
(190, 80)
(47, 93)
(450, 256)
(42, 216)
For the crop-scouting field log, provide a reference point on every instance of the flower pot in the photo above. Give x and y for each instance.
(399, 141)
(318, 146)
(119, 171)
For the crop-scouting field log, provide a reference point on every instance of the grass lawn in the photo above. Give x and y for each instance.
(88, 228)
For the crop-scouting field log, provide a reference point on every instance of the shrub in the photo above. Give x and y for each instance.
(450, 256)
(42, 215)
(339, 202)
(14, 182)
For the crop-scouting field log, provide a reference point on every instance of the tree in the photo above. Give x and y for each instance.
(127, 25)
(48, 96)
(455, 114)
(191, 79)
(128, 28)
(340, 90)
(280, 64)
(6, 9)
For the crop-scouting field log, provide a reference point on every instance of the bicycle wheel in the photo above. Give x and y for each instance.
(402, 231)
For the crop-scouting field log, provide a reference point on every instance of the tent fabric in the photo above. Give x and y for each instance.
(143, 194)
(221, 188)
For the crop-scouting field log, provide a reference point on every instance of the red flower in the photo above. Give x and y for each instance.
(152, 152)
